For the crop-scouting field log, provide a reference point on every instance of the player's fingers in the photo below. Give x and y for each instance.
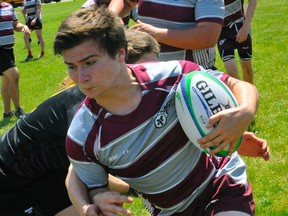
(116, 210)
(123, 199)
(232, 147)
(211, 142)
(220, 147)
(266, 155)
(135, 27)
(213, 120)
(213, 137)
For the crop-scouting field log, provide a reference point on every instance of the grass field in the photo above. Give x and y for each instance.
(40, 79)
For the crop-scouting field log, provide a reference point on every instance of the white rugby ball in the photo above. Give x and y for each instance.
(200, 95)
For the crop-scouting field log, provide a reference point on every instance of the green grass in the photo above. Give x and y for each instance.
(270, 62)
(40, 79)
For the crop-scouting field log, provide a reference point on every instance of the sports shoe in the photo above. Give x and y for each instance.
(8, 115)
(39, 57)
(19, 113)
(28, 58)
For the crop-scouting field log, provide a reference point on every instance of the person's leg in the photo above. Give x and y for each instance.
(42, 43)
(13, 88)
(8, 72)
(231, 68)
(226, 48)
(247, 70)
(28, 47)
(5, 94)
(245, 55)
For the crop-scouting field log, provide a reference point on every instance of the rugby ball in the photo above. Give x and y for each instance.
(200, 95)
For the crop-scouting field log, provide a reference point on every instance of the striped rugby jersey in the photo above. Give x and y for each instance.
(182, 14)
(7, 18)
(146, 148)
(234, 12)
(30, 8)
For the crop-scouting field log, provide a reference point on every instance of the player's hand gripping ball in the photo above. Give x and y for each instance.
(200, 95)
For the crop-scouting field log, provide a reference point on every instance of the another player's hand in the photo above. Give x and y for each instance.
(144, 27)
(231, 124)
(26, 29)
(33, 22)
(253, 146)
(242, 34)
(110, 203)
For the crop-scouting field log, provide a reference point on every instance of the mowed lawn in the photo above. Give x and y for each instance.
(40, 79)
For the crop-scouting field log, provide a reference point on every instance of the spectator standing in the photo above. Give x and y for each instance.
(32, 12)
(8, 70)
(236, 35)
(179, 26)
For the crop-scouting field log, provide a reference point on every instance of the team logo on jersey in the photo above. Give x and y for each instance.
(221, 42)
(162, 115)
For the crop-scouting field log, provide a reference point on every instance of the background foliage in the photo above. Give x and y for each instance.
(40, 79)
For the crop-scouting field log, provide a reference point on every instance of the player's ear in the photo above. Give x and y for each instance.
(121, 55)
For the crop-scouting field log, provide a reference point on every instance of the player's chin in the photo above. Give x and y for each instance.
(89, 92)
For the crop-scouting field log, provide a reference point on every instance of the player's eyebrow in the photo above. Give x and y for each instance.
(83, 60)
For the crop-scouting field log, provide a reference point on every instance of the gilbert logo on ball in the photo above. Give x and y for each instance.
(200, 95)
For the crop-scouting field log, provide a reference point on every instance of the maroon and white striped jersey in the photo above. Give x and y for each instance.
(234, 12)
(147, 148)
(30, 8)
(7, 18)
(182, 14)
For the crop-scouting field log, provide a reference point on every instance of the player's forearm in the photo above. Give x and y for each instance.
(77, 191)
(246, 95)
(250, 13)
(38, 11)
(203, 36)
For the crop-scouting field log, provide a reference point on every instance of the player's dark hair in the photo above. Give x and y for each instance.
(99, 25)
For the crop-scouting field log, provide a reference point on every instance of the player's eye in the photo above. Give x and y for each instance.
(70, 67)
(90, 62)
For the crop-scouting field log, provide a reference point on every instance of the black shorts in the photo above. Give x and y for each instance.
(38, 24)
(7, 59)
(43, 196)
(227, 44)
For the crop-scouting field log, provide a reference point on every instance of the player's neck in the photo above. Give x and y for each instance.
(124, 98)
